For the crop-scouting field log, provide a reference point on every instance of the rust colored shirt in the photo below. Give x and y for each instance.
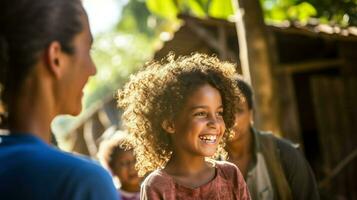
(228, 184)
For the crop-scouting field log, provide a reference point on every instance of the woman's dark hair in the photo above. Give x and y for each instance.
(246, 91)
(27, 27)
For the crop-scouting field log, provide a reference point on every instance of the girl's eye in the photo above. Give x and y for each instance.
(220, 113)
(200, 114)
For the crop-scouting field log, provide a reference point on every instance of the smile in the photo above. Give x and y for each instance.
(211, 139)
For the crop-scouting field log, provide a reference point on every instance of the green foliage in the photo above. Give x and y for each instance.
(116, 55)
(166, 9)
(200, 8)
(341, 12)
(284, 11)
(135, 19)
(120, 52)
(221, 9)
(301, 12)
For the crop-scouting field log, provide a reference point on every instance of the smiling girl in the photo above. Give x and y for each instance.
(178, 114)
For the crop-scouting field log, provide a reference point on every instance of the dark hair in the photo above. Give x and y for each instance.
(27, 28)
(246, 91)
(110, 148)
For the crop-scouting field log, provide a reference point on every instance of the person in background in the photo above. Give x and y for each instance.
(178, 114)
(44, 63)
(272, 167)
(116, 154)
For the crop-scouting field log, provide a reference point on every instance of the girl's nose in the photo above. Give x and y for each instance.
(213, 122)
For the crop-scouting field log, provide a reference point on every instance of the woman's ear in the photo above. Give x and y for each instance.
(54, 56)
(168, 126)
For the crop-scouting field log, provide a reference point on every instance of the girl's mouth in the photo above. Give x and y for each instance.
(210, 139)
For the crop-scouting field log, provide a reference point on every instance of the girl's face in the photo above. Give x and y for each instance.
(199, 127)
(124, 169)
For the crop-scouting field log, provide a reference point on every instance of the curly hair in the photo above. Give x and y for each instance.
(159, 91)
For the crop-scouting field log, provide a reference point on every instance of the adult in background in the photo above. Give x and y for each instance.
(44, 64)
(272, 167)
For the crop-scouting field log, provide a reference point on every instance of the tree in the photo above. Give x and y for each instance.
(336, 12)
(256, 56)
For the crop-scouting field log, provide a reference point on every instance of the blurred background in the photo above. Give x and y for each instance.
(299, 55)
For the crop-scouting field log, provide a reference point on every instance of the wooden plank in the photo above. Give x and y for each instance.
(334, 100)
(89, 139)
(289, 117)
(211, 40)
(318, 92)
(351, 110)
(79, 145)
(308, 66)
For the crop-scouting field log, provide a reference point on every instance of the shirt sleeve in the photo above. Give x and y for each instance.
(298, 172)
(243, 188)
(235, 177)
(91, 183)
(148, 193)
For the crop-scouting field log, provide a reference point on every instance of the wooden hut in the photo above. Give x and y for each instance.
(317, 90)
(86, 135)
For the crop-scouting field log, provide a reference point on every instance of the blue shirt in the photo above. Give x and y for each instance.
(32, 169)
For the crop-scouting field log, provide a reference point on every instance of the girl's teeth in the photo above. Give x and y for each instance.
(208, 138)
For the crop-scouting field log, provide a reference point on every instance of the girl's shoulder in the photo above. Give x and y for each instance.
(227, 170)
(226, 166)
(156, 185)
(158, 178)
(233, 177)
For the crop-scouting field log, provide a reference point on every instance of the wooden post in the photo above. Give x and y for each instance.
(257, 56)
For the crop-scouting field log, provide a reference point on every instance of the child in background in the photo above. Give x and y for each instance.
(179, 113)
(117, 156)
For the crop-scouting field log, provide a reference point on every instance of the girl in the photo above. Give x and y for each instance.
(119, 158)
(44, 65)
(179, 115)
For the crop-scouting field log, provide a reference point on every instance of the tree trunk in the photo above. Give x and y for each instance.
(257, 56)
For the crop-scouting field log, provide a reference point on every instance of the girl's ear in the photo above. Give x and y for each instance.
(168, 126)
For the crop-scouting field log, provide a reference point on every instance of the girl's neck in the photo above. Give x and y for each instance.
(184, 166)
(190, 173)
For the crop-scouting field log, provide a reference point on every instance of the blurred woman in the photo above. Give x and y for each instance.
(44, 64)
(272, 167)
